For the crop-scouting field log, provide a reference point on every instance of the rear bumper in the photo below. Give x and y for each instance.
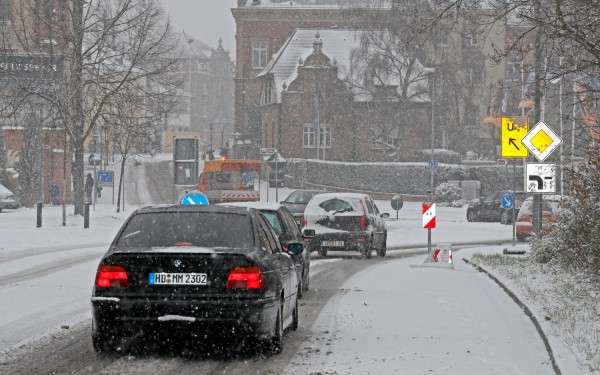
(140, 313)
(353, 241)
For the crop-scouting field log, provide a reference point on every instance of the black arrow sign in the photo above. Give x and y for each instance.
(511, 141)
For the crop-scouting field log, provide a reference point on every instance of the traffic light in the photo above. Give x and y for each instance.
(185, 161)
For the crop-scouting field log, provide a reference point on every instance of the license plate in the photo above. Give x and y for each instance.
(333, 243)
(164, 278)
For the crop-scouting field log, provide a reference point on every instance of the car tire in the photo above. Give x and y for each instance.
(105, 343)
(306, 279)
(369, 251)
(383, 249)
(301, 288)
(471, 216)
(322, 252)
(295, 317)
(522, 238)
(276, 342)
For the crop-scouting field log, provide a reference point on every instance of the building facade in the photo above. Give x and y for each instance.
(206, 97)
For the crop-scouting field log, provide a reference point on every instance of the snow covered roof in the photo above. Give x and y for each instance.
(190, 46)
(337, 45)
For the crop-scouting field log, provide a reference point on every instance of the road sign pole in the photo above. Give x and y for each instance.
(514, 209)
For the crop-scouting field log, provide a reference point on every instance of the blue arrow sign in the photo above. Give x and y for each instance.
(194, 197)
(507, 201)
(433, 164)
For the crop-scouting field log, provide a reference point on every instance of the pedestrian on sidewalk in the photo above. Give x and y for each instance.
(54, 192)
(89, 187)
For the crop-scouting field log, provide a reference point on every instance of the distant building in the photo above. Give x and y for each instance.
(206, 95)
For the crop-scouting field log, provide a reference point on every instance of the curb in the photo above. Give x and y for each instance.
(527, 312)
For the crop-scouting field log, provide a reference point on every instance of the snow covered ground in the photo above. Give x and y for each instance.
(44, 286)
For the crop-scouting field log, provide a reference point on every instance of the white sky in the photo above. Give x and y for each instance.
(206, 20)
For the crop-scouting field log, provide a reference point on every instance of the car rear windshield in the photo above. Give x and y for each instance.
(335, 205)
(203, 229)
(301, 197)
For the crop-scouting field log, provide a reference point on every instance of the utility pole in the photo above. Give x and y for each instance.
(537, 198)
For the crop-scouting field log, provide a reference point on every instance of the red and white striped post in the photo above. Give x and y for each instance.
(428, 221)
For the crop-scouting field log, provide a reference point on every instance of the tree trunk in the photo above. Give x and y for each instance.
(121, 185)
(78, 178)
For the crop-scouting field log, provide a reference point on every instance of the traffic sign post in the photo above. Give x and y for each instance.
(540, 178)
(429, 221)
(397, 204)
(507, 201)
(541, 141)
(513, 130)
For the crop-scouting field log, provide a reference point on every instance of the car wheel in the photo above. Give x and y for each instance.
(276, 342)
(383, 249)
(322, 252)
(522, 237)
(368, 251)
(301, 288)
(295, 318)
(471, 216)
(306, 279)
(105, 343)
(504, 218)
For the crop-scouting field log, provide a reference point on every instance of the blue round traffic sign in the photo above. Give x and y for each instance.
(194, 197)
(507, 201)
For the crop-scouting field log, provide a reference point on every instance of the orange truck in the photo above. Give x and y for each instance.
(229, 180)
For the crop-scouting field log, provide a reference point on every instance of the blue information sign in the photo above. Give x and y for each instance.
(194, 197)
(507, 201)
(105, 177)
(433, 164)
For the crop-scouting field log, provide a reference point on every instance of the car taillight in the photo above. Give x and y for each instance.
(304, 222)
(245, 278)
(363, 220)
(112, 277)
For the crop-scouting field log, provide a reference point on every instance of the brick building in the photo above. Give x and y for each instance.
(305, 87)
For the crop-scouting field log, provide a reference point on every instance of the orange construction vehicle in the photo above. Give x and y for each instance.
(229, 180)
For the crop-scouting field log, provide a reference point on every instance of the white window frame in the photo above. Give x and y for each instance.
(259, 54)
(308, 136)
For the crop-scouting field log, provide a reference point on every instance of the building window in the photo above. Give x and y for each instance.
(442, 38)
(473, 75)
(514, 67)
(471, 116)
(308, 136)
(259, 54)
(470, 37)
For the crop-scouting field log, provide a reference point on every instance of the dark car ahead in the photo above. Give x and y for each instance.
(296, 202)
(288, 232)
(489, 208)
(204, 269)
(345, 222)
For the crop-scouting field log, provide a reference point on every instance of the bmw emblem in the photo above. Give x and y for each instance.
(177, 263)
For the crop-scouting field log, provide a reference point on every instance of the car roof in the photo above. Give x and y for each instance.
(311, 191)
(341, 195)
(257, 205)
(192, 208)
(5, 190)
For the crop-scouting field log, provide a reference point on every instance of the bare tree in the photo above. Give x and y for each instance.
(105, 46)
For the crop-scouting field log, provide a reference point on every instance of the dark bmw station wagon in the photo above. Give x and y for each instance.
(207, 269)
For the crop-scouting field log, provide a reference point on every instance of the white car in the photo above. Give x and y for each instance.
(344, 222)
(7, 199)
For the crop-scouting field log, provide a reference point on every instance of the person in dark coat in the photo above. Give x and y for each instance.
(89, 187)
(54, 192)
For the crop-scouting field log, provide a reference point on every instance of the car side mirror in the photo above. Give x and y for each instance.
(308, 233)
(294, 248)
(385, 215)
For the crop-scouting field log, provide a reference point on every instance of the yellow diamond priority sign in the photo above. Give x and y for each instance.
(513, 130)
(541, 141)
